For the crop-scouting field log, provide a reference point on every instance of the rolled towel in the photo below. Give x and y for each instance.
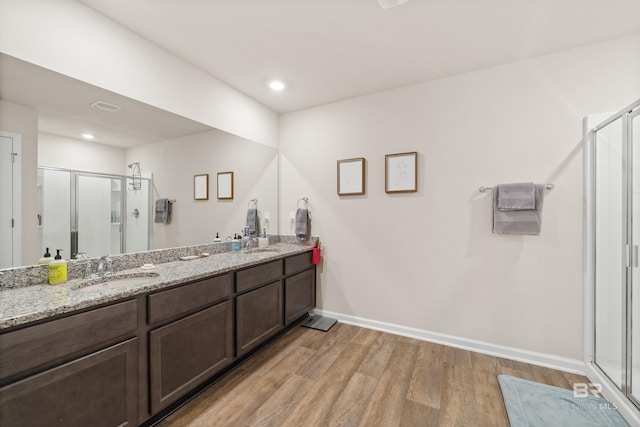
(253, 221)
(302, 224)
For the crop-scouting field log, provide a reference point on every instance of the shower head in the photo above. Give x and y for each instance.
(131, 165)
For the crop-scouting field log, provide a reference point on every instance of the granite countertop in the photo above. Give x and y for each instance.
(22, 305)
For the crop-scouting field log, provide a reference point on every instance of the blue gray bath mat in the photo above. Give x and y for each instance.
(531, 404)
(320, 323)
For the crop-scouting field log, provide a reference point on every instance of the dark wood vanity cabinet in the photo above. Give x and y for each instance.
(299, 295)
(189, 351)
(258, 316)
(299, 286)
(96, 390)
(69, 371)
(126, 363)
(186, 352)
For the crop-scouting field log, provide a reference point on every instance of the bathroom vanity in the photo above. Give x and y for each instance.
(127, 355)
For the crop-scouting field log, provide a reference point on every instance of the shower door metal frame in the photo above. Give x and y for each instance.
(629, 250)
(73, 174)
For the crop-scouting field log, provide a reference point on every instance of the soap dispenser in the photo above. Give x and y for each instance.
(217, 239)
(46, 258)
(235, 244)
(57, 269)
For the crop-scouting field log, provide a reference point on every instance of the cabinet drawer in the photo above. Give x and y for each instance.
(47, 344)
(96, 390)
(259, 275)
(297, 263)
(188, 298)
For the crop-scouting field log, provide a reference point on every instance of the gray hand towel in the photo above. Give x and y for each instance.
(163, 211)
(527, 221)
(253, 221)
(302, 224)
(516, 197)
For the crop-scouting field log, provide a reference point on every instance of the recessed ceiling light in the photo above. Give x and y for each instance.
(277, 85)
(87, 136)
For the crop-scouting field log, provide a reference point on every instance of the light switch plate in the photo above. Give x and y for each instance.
(292, 216)
(266, 216)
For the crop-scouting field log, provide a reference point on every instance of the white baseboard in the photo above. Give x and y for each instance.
(575, 366)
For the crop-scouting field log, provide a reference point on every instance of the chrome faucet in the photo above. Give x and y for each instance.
(105, 266)
(250, 241)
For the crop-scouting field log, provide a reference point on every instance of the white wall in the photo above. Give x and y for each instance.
(428, 260)
(173, 164)
(68, 153)
(24, 120)
(70, 38)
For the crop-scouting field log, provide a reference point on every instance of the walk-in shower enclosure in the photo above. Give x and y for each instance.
(93, 213)
(612, 238)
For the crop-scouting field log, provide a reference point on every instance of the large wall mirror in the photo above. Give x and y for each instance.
(99, 195)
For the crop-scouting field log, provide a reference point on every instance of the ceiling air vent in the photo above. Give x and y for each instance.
(386, 4)
(105, 106)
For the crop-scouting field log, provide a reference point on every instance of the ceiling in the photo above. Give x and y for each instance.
(328, 50)
(64, 108)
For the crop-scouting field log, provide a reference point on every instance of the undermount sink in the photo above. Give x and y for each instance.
(261, 250)
(116, 282)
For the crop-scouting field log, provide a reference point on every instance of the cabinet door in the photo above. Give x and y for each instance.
(187, 352)
(299, 295)
(258, 316)
(96, 390)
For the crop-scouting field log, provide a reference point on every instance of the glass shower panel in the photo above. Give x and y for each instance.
(54, 210)
(137, 217)
(634, 137)
(610, 248)
(99, 202)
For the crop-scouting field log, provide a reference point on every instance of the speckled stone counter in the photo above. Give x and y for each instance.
(27, 303)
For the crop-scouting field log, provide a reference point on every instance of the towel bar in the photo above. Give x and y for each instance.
(484, 189)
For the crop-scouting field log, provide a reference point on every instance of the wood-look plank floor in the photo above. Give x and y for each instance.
(352, 376)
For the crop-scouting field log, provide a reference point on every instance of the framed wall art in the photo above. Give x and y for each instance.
(201, 186)
(351, 176)
(225, 185)
(401, 172)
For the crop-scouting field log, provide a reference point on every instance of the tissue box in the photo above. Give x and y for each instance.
(263, 242)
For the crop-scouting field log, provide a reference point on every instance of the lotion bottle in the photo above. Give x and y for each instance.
(235, 244)
(46, 258)
(57, 269)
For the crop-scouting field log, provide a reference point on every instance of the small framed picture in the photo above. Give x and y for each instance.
(401, 172)
(225, 185)
(351, 176)
(201, 186)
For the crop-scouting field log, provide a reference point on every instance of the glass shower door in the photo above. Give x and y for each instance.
(138, 216)
(633, 130)
(610, 249)
(98, 210)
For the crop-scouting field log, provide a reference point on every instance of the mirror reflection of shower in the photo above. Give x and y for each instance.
(136, 176)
